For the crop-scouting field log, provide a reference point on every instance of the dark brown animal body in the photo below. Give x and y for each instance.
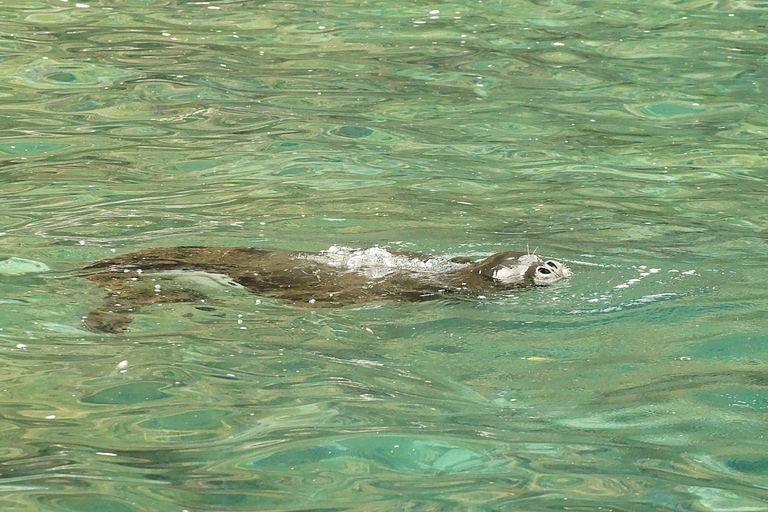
(302, 279)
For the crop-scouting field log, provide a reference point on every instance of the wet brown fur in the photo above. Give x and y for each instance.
(281, 274)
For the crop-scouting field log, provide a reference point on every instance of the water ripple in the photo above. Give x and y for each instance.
(627, 140)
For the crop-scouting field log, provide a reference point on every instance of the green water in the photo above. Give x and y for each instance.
(628, 139)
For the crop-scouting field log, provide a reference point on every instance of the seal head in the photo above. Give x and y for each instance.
(511, 269)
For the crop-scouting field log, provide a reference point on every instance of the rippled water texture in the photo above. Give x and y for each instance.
(626, 139)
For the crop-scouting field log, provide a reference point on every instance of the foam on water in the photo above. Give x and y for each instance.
(377, 262)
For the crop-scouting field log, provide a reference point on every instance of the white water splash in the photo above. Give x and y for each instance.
(377, 262)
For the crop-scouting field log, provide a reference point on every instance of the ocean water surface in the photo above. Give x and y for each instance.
(627, 139)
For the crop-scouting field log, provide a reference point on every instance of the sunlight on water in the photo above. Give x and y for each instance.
(626, 140)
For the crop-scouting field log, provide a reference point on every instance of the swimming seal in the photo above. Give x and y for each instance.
(337, 277)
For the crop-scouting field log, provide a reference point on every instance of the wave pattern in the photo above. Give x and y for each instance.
(625, 139)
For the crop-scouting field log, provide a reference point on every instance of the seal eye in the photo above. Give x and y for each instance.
(544, 270)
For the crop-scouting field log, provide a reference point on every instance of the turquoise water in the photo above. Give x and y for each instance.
(628, 139)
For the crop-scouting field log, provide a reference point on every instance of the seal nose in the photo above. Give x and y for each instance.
(544, 270)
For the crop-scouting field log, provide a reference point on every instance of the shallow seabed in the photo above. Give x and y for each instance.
(627, 139)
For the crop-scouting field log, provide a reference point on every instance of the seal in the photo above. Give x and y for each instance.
(337, 277)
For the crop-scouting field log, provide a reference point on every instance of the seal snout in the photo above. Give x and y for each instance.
(549, 272)
(559, 268)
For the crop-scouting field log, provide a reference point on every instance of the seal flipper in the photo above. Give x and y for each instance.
(108, 320)
(121, 278)
(113, 318)
(124, 298)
